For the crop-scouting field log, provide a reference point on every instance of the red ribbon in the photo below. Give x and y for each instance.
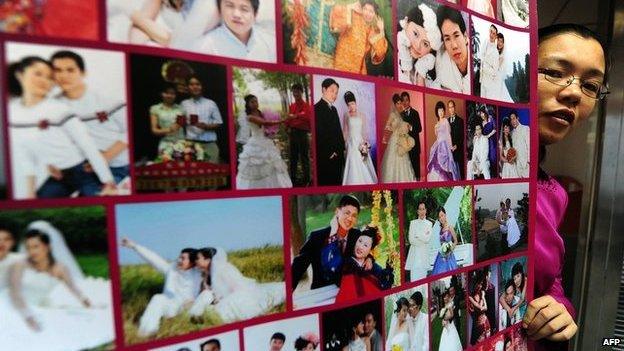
(102, 116)
(43, 124)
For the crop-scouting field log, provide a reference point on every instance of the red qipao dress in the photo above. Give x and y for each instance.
(356, 282)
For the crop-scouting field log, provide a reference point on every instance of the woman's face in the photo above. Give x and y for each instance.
(352, 106)
(420, 45)
(562, 108)
(309, 347)
(253, 104)
(359, 328)
(493, 33)
(399, 106)
(363, 247)
(440, 113)
(368, 12)
(203, 262)
(169, 96)
(422, 210)
(402, 315)
(36, 79)
(506, 130)
(500, 44)
(478, 131)
(442, 217)
(483, 116)
(518, 279)
(37, 250)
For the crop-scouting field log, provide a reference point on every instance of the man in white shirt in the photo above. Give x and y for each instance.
(203, 118)
(420, 323)
(489, 65)
(182, 285)
(7, 258)
(277, 341)
(520, 139)
(238, 36)
(370, 330)
(106, 119)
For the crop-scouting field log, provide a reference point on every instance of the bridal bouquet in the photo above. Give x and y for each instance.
(272, 116)
(397, 348)
(511, 155)
(446, 248)
(364, 149)
(181, 151)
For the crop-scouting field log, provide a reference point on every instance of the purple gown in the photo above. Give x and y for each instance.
(445, 264)
(442, 166)
(487, 129)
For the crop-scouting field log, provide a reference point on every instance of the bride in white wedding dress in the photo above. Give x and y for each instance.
(50, 304)
(401, 330)
(232, 295)
(359, 169)
(260, 164)
(449, 339)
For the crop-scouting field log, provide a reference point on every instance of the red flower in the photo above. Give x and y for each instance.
(43, 124)
(102, 116)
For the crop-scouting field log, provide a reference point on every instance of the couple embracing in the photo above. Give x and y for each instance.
(201, 280)
(340, 255)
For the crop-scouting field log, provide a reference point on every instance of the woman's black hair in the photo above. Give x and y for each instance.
(301, 343)
(247, 101)
(15, 87)
(500, 36)
(518, 269)
(439, 105)
(415, 15)
(506, 123)
(402, 301)
(371, 232)
(396, 98)
(44, 238)
(372, 3)
(168, 86)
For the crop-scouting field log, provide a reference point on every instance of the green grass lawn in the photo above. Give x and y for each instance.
(94, 265)
(140, 282)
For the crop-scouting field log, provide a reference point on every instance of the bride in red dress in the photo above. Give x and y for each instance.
(356, 281)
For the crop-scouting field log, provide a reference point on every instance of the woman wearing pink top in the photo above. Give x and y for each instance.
(571, 67)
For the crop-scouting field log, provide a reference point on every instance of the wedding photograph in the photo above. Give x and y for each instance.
(354, 328)
(180, 125)
(501, 219)
(501, 72)
(240, 29)
(51, 18)
(54, 278)
(297, 334)
(438, 231)
(445, 128)
(425, 54)
(352, 36)
(482, 305)
(273, 122)
(407, 321)
(483, 141)
(512, 291)
(487, 8)
(191, 265)
(67, 121)
(514, 12)
(514, 145)
(228, 341)
(401, 121)
(343, 246)
(448, 313)
(345, 133)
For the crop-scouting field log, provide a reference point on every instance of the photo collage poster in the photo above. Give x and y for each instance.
(249, 175)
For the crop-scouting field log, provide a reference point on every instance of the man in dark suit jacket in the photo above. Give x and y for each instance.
(310, 253)
(411, 116)
(457, 137)
(330, 144)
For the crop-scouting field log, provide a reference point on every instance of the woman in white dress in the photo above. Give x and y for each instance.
(49, 296)
(502, 93)
(357, 342)
(513, 230)
(419, 235)
(51, 148)
(479, 164)
(401, 330)
(260, 164)
(233, 296)
(396, 166)
(449, 339)
(359, 167)
(508, 168)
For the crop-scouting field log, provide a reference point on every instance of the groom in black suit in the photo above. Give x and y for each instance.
(457, 137)
(310, 253)
(330, 144)
(411, 116)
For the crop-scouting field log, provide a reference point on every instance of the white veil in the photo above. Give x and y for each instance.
(58, 247)
(226, 278)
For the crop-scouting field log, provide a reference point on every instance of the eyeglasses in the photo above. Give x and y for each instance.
(593, 89)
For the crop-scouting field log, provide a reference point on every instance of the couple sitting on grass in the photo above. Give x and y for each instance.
(202, 280)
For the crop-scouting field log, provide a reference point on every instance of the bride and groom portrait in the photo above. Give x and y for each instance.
(335, 261)
(448, 313)
(212, 275)
(345, 132)
(273, 129)
(52, 281)
(408, 324)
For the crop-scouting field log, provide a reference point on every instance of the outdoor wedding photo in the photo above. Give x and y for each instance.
(180, 125)
(448, 313)
(228, 341)
(54, 278)
(407, 321)
(296, 334)
(438, 231)
(191, 265)
(501, 219)
(343, 246)
(273, 122)
(354, 328)
(67, 122)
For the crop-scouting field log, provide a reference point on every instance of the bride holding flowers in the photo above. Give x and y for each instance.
(359, 167)
(445, 260)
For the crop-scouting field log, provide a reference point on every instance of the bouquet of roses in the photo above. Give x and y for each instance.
(364, 149)
(446, 249)
(272, 116)
(511, 155)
